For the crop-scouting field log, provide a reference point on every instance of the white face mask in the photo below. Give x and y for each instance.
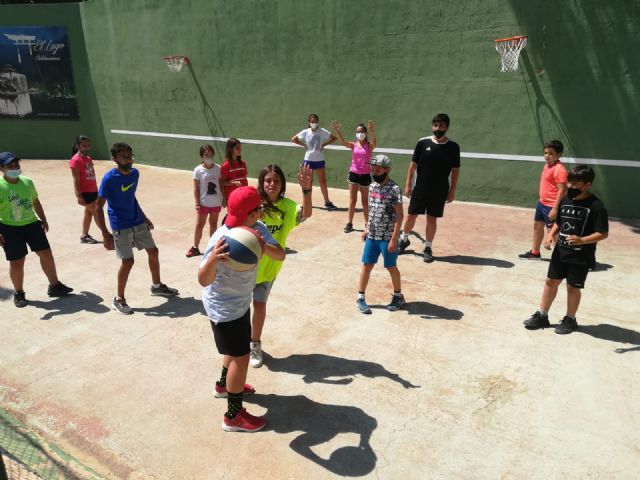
(208, 161)
(361, 135)
(13, 173)
(313, 125)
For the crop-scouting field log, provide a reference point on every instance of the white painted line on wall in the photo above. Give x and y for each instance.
(399, 151)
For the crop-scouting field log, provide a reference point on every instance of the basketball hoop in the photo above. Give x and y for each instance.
(509, 50)
(176, 62)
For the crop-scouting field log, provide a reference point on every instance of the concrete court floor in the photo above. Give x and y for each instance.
(451, 387)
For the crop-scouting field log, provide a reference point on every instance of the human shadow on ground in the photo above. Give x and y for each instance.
(319, 424)
(174, 307)
(613, 333)
(432, 311)
(290, 251)
(70, 304)
(601, 267)
(319, 368)
(469, 260)
(5, 293)
(337, 209)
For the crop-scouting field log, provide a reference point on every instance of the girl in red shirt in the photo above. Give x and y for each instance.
(234, 170)
(84, 184)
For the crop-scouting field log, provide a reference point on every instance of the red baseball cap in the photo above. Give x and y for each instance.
(240, 203)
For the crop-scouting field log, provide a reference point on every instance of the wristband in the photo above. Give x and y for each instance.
(304, 192)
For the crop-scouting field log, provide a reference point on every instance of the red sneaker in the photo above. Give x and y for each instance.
(221, 392)
(243, 422)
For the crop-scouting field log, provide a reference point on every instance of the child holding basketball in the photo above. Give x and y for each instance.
(84, 184)
(281, 215)
(381, 233)
(359, 173)
(553, 188)
(131, 227)
(207, 194)
(314, 139)
(226, 297)
(234, 170)
(581, 223)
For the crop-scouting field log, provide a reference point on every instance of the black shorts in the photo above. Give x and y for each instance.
(361, 179)
(432, 205)
(233, 338)
(16, 240)
(89, 197)
(575, 273)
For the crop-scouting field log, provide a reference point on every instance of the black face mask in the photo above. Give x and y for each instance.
(439, 133)
(573, 192)
(379, 178)
(126, 167)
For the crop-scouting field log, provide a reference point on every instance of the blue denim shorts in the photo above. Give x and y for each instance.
(374, 248)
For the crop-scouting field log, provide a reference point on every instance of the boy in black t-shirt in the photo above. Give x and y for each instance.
(434, 159)
(582, 222)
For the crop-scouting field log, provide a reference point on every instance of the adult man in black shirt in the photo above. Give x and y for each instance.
(435, 158)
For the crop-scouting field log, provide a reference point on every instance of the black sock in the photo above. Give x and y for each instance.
(234, 404)
(223, 377)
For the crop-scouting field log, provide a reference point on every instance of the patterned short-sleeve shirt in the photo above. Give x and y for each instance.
(382, 209)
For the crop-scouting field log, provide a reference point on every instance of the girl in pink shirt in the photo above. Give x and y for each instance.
(359, 174)
(84, 184)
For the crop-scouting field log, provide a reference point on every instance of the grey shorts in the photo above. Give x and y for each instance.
(261, 292)
(127, 238)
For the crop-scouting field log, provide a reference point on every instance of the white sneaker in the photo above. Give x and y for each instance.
(255, 355)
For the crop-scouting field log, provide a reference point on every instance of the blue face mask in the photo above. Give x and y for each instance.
(13, 173)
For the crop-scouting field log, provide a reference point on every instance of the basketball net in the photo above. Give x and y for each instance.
(509, 50)
(176, 62)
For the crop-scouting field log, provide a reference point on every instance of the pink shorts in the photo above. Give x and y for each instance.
(208, 210)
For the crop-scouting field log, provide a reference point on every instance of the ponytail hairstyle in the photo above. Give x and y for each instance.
(269, 207)
(79, 138)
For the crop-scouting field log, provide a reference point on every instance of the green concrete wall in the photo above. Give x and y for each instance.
(53, 138)
(258, 67)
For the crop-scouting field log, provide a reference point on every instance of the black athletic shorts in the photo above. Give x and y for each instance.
(16, 239)
(233, 338)
(361, 179)
(430, 204)
(575, 273)
(89, 197)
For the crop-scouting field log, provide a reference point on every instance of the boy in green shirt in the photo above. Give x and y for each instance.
(22, 223)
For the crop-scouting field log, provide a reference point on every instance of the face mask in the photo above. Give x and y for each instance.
(361, 135)
(379, 178)
(313, 125)
(208, 161)
(126, 167)
(13, 173)
(439, 133)
(573, 192)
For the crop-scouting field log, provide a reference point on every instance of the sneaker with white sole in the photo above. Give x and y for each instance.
(362, 306)
(255, 354)
(243, 422)
(120, 305)
(403, 244)
(221, 392)
(397, 302)
(163, 291)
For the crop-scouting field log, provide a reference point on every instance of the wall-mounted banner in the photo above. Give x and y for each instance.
(36, 79)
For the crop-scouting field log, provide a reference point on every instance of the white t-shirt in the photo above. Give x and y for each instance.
(209, 179)
(231, 293)
(314, 141)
